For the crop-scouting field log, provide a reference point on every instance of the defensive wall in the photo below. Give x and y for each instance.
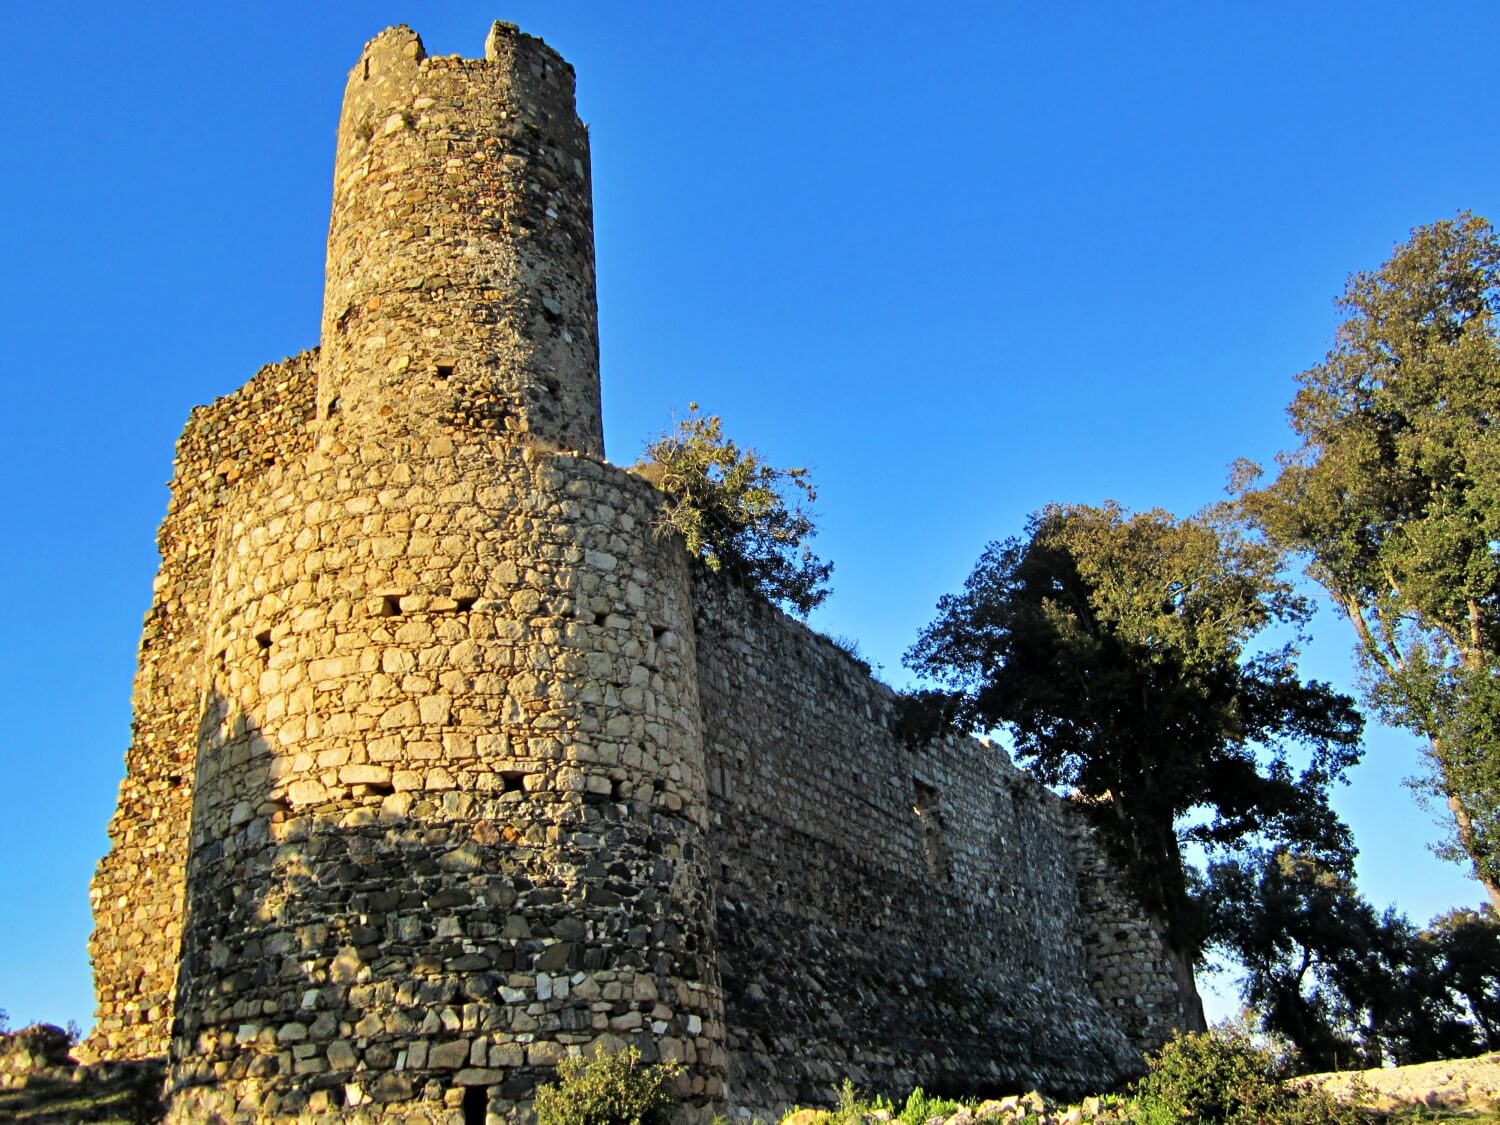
(445, 762)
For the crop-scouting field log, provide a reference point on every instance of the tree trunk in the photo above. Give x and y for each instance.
(1171, 906)
(1187, 987)
(1465, 828)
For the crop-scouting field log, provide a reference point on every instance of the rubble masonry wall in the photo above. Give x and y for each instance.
(902, 915)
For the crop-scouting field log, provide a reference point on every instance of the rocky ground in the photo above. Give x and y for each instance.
(40, 1084)
(1469, 1085)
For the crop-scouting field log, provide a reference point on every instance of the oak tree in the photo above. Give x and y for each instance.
(1115, 650)
(1348, 986)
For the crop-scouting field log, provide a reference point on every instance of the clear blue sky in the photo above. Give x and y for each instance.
(963, 259)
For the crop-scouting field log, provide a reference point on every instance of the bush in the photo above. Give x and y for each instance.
(921, 1107)
(1223, 1078)
(607, 1090)
(732, 511)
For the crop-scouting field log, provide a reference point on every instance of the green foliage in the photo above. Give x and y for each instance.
(1466, 944)
(1223, 1078)
(607, 1090)
(732, 511)
(1113, 647)
(921, 1107)
(1350, 987)
(856, 1109)
(1393, 500)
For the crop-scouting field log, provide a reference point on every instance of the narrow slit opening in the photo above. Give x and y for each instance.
(333, 407)
(476, 1104)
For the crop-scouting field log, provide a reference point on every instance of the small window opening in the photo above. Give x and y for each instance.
(615, 790)
(465, 604)
(390, 605)
(367, 69)
(444, 371)
(554, 388)
(658, 632)
(476, 1104)
(600, 618)
(263, 643)
(333, 407)
(930, 823)
(513, 781)
(379, 788)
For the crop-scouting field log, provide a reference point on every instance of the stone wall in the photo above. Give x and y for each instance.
(905, 916)
(1128, 963)
(137, 893)
(460, 283)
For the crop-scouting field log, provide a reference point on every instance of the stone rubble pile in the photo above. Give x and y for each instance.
(1032, 1108)
(1469, 1083)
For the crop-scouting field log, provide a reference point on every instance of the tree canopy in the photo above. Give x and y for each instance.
(1347, 986)
(1393, 500)
(1115, 650)
(737, 513)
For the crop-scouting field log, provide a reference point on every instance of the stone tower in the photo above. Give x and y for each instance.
(460, 282)
(448, 794)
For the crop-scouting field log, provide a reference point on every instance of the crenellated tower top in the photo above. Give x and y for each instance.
(460, 280)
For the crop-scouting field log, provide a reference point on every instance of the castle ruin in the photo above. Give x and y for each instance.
(445, 764)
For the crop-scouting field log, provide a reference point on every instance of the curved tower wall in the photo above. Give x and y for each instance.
(449, 805)
(460, 281)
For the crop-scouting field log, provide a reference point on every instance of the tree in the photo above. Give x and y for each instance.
(1467, 945)
(1113, 648)
(1347, 986)
(732, 511)
(1343, 984)
(1393, 500)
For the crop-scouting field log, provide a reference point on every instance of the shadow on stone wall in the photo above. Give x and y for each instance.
(441, 949)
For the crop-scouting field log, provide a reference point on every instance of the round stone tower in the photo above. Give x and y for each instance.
(460, 284)
(449, 799)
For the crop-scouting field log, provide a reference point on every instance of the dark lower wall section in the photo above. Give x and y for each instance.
(903, 916)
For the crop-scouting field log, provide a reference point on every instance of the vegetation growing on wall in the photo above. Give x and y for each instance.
(737, 513)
